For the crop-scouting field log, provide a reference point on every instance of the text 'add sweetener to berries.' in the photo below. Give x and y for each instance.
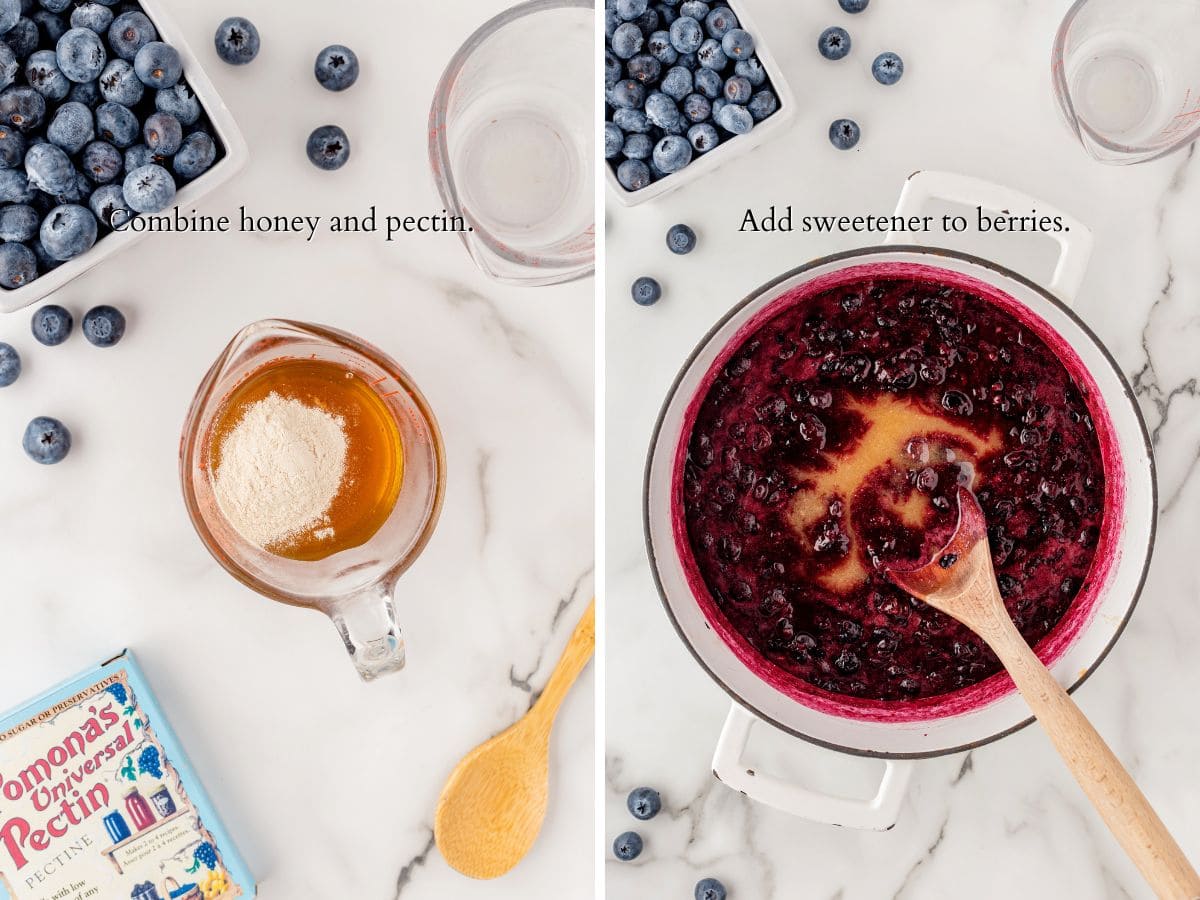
(389, 226)
(774, 220)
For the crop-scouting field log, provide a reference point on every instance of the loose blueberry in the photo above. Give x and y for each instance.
(163, 133)
(672, 153)
(834, 43)
(47, 441)
(328, 147)
(627, 40)
(51, 325)
(81, 55)
(336, 68)
(632, 174)
(853, 6)
(18, 265)
(129, 33)
(72, 128)
(645, 803)
(646, 291)
(686, 35)
(738, 44)
(103, 326)
(68, 231)
(237, 41)
(10, 364)
(159, 65)
(844, 133)
(149, 189)
(628, 846)
(887, 68)
(703, 137)
(119, 84)
(710, 889)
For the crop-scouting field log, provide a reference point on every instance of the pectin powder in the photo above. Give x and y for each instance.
(282, 466)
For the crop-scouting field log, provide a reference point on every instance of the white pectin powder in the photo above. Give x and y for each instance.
(282, 466)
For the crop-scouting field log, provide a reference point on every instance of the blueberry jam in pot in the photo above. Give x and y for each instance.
(832, 440)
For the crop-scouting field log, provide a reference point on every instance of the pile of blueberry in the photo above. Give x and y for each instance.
(96, 126)
(644, 804)
(679, 78)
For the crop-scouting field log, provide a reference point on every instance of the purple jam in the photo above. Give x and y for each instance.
(832, 441)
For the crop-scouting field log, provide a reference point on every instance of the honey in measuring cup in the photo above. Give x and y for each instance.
(373, 470)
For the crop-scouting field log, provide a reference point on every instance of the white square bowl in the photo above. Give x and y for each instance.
(226, 132)
(727, 149)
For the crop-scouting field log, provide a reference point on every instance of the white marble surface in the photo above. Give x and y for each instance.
(1006, 820)
(327, 784)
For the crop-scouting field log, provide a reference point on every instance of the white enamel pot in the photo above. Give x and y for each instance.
(964, 719)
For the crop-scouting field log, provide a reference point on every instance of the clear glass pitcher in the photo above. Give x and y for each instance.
(1127, 76)
(354, 587)
(511, 148)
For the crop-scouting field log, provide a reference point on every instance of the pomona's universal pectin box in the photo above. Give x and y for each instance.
(98, 800)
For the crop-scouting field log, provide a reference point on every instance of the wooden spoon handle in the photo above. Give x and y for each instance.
(1113, 793)
(575, 656)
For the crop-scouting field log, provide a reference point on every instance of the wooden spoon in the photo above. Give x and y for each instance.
(492, 807)
(960, 582)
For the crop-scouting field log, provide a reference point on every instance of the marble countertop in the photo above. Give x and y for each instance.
(1006, 820)
(327, 784)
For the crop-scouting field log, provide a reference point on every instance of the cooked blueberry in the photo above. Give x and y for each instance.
(51, 325)
(119, 84)
(958, 403)
(738, 44)
(681, 239)
(720, 22)
(237, 41)
(646, 291)
(703, 137)
(10, 364)
(18, 265)
(336, 68)
(844, 133)
(628, 846)
(162, 133)
(853, 6)
(709, 889)
(887, 68)
(149, 189)
(644, 803)
(103, 326)
(734, 118)
(72, 128)
(834, 42)
(158, 65)
(129, 33)
(711, 56)
(627, 40)
(686, 34)
(94, 16)
(47, 441)
(117, 124)
(672, 153)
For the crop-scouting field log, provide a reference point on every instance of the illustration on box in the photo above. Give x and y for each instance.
(91, 806)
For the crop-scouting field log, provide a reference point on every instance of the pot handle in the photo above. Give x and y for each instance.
(1074, 241)
(878, 813)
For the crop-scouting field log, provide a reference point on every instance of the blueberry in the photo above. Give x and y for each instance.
(149, 189)
(119, 84)
(612, 69)
(662, 111)
(47, 441)
(87, 93)
(45, 262)
(49, 168)
(22, 108)
(710, 889)
(887, 68)
(328, 147)
(844, 133)
(686, 34)
(55, 6)
(627, 40)
(672, 153)
(735, 118)
(611, 22)
(129, 33)
(81, 54)
(51, 325)
(196, 156)
(696, 108)
(646, 291)
(738, 44)
(72, 128)
(10, 14)
(51, 26)
(703, 137)
(708, 83)
(834, 43)
(336, 67)
(644, 68)
(44, 76)
(633, 174)
(158, 65)
(12, 148)
(93, 16)
(738, 90)
(117, 124)
(720, 22)
(631, 121)
(109, 207)
(676, 84)
(711, 56)
(23, 38)
(659, 46)
(614, 140)
(689, 61)
(638, 146)
(180, 102)
(10, 65)
(140, 155)
(103, 326)
(237, 41)
(751, 69)
(853, 6)
(10, 365)
(101, 162)
(627, 94)
(645, 803)
(631, 9)
(667, 13)
(163, 133)
(15, 187)
(762, 104)
(681, 240)
(18, 265)
(696, 9)
(68, 231)
(19, 222)
(628, 846)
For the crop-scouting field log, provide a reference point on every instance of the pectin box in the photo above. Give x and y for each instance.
(98, 800)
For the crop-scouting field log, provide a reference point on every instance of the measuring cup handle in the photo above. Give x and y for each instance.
(367, 623)
(1074, 241)
(878, 813)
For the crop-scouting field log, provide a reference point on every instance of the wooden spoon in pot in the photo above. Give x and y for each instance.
(492, 807)
(960, 582)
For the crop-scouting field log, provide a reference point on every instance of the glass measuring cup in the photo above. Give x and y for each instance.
(354, 587)
(1127, 77)
(511, 142)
